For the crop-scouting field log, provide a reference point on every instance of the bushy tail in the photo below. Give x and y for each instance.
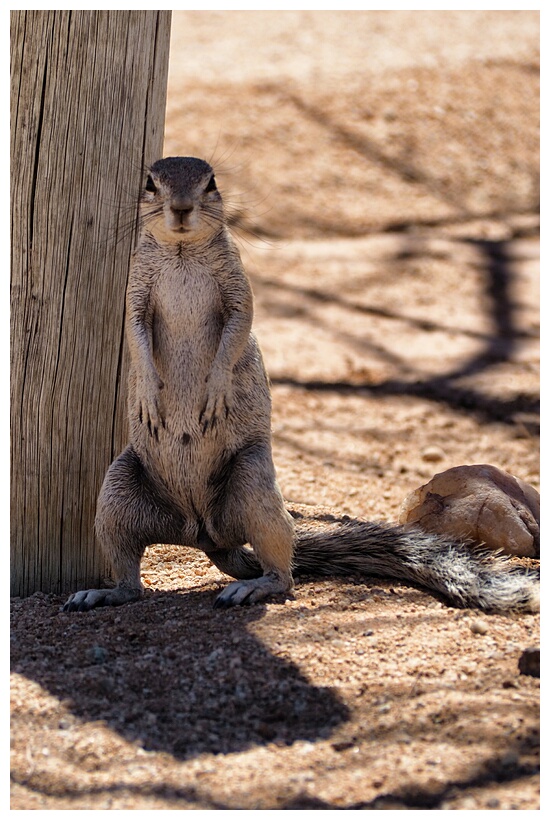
(468, 576)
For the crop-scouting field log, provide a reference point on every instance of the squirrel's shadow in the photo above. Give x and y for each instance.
(174, 675)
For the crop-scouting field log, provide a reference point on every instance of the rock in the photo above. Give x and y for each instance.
(478, 502)
(97, 654)
(479, 627)
(433, 454)
(529, 662)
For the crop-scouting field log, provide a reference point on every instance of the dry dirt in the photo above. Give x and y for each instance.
(381, 170)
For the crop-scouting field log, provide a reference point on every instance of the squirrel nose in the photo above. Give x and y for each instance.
(181, 207)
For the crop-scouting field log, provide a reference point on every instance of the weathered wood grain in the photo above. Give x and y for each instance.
(88, 94)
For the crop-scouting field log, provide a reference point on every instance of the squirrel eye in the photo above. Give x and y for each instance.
(211, 185)
(150, 185)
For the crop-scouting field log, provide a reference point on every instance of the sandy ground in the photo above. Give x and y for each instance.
(381, 172)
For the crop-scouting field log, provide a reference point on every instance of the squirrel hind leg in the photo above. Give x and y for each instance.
(130, 516)
(253, 507)
(271, 535)
(238, 562)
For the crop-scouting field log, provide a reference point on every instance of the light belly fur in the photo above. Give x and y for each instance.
(186, 333)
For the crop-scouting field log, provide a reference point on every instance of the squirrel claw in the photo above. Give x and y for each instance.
(213, 411)
(150, 415)
(153, 430)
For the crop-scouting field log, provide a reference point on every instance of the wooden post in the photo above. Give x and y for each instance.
(88, 96)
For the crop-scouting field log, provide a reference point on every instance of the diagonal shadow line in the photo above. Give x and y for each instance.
(346, 231)
(494, 772)
(499, 347)
(485, 408)
(370, 149)
(362, 344)
(407, 171)
(421, 798)
(323, 297)
(168, 792)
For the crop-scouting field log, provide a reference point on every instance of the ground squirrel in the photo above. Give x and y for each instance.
(199, 470)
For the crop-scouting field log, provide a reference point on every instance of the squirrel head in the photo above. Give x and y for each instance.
(180, 200)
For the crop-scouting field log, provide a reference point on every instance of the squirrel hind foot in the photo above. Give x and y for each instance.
(88, 599)
(253, 590)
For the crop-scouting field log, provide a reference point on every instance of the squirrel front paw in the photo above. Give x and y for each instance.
(218, 402)
(149, 405)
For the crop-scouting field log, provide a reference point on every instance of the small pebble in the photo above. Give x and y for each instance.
(97, 654)
(433, 454)
(479, 627)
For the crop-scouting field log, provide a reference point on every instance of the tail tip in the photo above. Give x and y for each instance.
(533, 602)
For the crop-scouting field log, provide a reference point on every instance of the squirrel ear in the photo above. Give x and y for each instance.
(150, 185)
